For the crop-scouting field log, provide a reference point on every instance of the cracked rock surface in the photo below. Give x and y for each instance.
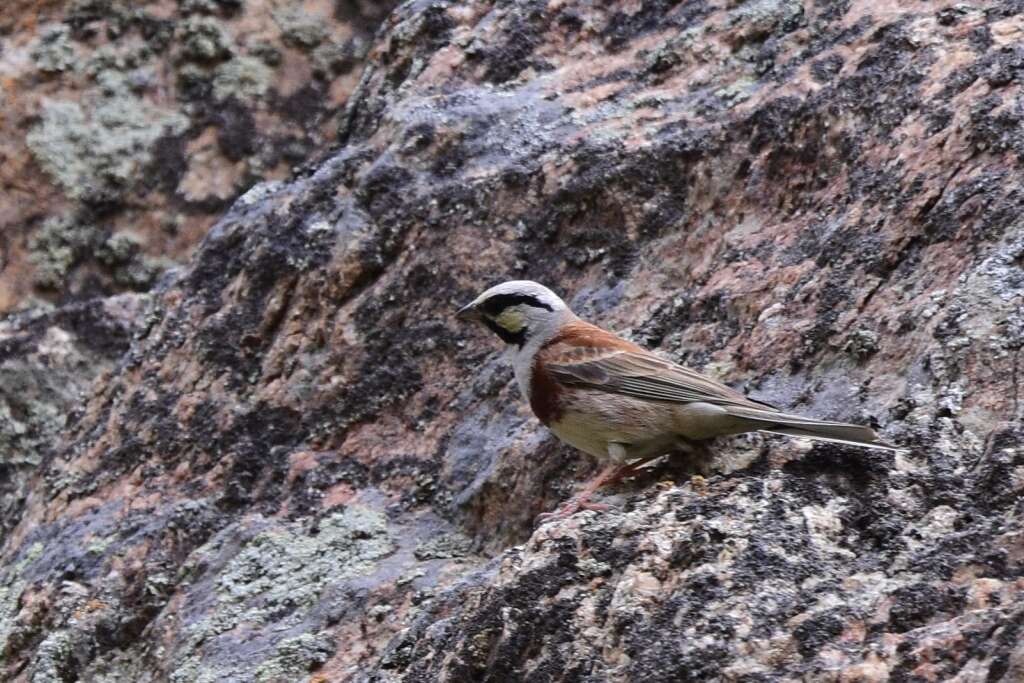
(295, 465)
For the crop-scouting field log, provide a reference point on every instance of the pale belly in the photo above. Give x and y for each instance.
(617, 435)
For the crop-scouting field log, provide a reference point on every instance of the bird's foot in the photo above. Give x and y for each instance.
(611, 474)
(570, 508)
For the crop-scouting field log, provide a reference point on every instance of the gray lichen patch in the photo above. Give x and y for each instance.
(10, 597)
(244, 78)
(295, 657)
(332, 58)
(287, 566)
(444, 546)
(300, 29)
(116, 59)
(56, 246)
(54, 52)
(130, 267)
(34, 398)
(753, 22)
(97, 154)
(11, 590)
(52, 659)
(279, 577)
(118, 249)
(204, 39)
(861, 343)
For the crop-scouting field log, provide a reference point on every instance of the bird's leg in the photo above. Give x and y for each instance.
(612, 474)
(581, 501)
(628, 469)
(618, 453)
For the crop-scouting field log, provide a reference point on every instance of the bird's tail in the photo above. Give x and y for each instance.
(795, 425)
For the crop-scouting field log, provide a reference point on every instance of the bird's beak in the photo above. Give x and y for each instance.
(468, 312)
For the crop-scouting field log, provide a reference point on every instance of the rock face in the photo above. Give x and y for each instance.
(48, 362)
(128, 127)
(303, 468)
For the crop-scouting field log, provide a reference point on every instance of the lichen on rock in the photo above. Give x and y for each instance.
(97, 154)
(204, 40)
(119, 101)
(244, 78)
(295, 658)
(299, 28)
(54, 51)
(57, 246)
(277, 581)
(293, 463)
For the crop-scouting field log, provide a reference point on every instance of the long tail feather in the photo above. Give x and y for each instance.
(795, 425)
(874, 442)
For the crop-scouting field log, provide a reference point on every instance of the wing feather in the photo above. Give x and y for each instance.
(643, 375)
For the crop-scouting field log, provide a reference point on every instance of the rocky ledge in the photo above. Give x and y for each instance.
(292, 464)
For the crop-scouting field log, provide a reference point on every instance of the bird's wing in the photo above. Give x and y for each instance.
(641, 374)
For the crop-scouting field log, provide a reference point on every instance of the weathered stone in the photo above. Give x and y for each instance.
(48, 361)
(152, 118)
(302, 464)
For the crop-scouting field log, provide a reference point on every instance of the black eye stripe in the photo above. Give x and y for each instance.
(499, 302)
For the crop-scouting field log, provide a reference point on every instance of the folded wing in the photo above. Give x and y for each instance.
(643, 375)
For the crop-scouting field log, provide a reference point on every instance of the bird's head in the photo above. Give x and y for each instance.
(518, 311)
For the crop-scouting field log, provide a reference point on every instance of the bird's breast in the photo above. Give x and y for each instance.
(544, 395)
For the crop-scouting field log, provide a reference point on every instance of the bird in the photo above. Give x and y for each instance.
(617, 401)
